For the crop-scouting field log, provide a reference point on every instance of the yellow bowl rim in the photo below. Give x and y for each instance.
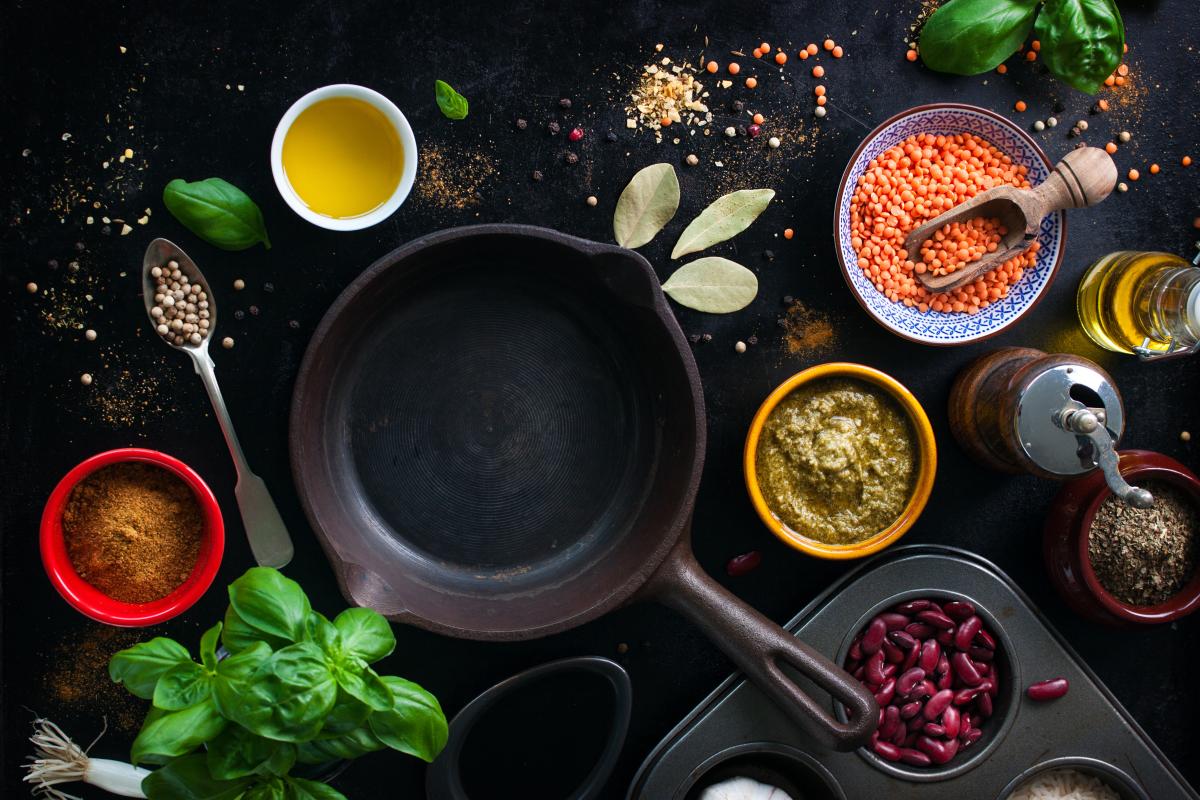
(926, 469)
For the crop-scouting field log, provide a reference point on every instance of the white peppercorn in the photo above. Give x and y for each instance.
(592, 201)
(692, 159)
(31, 287)
(239, 284)
(227, 343)
(1082, 124)
(86, 379)
(819, 111)
(1124, 136)
(1039, 126)
(773, 142)
(740, 347)
(731, 131)
(1122, 187)
(1051, 122)
(90, 335)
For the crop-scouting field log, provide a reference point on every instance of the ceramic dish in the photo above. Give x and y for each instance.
(408, 143)
(89, 600)
(933, 327)
(926, 461)
(1066, 534)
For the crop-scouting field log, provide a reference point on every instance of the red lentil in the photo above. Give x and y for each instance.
(1154, 169)
(1186, 161)
(781, 57)
(915, 181)
(734, 68)
(1020, 105)
(751, 82)
(838, 52)
(788, 233)
(1110, 148)
(828, 44)
(818, 72)
(911, 55)
(1134, 175)
(1002, 69)
(812, 49)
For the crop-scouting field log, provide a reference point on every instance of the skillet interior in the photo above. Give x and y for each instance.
(492, 427)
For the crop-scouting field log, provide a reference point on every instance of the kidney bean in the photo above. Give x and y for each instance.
(1042, 690)
(945, 680)
(945, 638)
(985, 639)
(915, 725)
(914, 758)
(908, 680)
(894, 621)
(934, 730)
(935, 618)
(964, 696)
(900, 734)
(964, 722)
(981, 653)
(913, 606)
(852, 665)
(887, 751)
(923, 689)
(891, 653)
(859, 673)
(958, 609)
(910, 660)
(965, 669)
(938, 703)
(951, 721)
(889, 722)
(970, 736)
(965, 633)
(874, 669)
(856, 652)
(873, 639)
(930, 652)
(910, 710)
(984, 705)
(885, 693)
(888, 670)
(902, 639)
(919, 630)
(938, 752)
(992, 687)
(743, 564)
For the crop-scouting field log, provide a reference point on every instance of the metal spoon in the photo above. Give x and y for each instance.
(269, 539)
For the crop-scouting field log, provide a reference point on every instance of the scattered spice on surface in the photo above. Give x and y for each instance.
(805, 330)
(133, 531)
(1143, 556)
(78, 675)
(667, 93)
(453, 178)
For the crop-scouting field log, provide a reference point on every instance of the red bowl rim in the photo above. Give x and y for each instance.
(1180, 604)
(89, 600)
(845, 180)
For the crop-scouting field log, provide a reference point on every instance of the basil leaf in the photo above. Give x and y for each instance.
(287, 698)
(166, 734)
(348, 714)
(452, 104)
(139, 667)
(351, 745)
(218, 212)
(715, 285)
(274, 789)
(233, 675)
(237, 753)
(415, 724)
(188, 778)
(728, 216)
(646, 205)
(302, 789)
(271, 603)
(238, 635)
(208, 647)
(967, 37)
(1082, 41)
(321, 632)
(364, 684)
(365, 633)
(182, 686)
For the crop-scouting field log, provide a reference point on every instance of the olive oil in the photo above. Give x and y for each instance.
(1143, 303)
(343, 157)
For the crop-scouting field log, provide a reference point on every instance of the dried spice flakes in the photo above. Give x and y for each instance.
(453, 178)
(667, 93)
(806, 330)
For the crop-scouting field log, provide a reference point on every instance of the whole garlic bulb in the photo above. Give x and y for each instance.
(743, 789)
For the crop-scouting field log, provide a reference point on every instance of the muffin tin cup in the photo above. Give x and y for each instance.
(794, 771)
(1087, 728)
(1007, 700)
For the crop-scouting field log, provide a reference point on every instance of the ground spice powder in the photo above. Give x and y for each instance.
(1145, 555)
(133, 531)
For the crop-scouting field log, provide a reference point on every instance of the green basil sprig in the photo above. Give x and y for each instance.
(452, 104)
(218, 212)
(1081, 40)
(295, 688)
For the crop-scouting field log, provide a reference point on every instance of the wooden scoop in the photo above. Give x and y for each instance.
(1083, 178)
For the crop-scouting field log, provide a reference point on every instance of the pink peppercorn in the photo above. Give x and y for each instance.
(575, 135)
(753, 130)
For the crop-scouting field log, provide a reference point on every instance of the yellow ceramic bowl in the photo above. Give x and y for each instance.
(926, 461)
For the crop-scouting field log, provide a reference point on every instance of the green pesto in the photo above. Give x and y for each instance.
(836, 460)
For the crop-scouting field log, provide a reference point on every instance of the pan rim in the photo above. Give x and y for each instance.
(308, 399)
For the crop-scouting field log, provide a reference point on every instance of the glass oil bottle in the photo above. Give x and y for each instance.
(1142, 303)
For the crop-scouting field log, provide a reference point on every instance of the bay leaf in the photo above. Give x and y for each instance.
(646, 205)
(728, 216)
(713, 284)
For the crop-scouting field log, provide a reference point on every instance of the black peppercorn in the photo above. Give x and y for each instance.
(788, 299)
(753, 340)
(769, 255)
(571, 158)
(706, 337)
(741, 130)
(254, 311)
(52, 263)
(294, 324)
(694, 338)
(537, 175)
(554, 128)
(610, 137)
(522, 124)
(565, 102)
(268, 287)
(737, 106)
(1058, 106)
(80, 246)
(106, 230)
(239, 314)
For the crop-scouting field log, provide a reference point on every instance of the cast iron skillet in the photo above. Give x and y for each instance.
(497, 433)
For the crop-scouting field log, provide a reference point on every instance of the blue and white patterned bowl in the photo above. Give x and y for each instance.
(933, 327)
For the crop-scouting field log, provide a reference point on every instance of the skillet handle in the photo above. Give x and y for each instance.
(757, 646)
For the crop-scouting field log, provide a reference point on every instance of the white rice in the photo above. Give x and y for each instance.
(1064, 784)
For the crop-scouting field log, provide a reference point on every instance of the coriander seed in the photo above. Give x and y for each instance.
(31, 287)
(692, 159)
(1185, 436)
(239, 284)
(90, 335)
(592, 201)
(1124, 136)
(86, 379)
(227, 343)
(740, 347)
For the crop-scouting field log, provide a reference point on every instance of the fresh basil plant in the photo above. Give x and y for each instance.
(1082, 41)
(296, 688)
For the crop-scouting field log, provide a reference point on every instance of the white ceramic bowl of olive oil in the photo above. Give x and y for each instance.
(344, 157)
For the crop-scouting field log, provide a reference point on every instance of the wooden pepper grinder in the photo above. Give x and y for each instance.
(1019, 410)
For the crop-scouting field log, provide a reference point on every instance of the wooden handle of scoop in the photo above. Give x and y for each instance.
(1083, 178)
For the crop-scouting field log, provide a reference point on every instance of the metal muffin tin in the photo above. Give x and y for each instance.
(736, 730)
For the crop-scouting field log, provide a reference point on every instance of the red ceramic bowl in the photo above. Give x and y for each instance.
(1065, 543)
(91, 601)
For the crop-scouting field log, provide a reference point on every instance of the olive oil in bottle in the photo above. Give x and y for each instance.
(1141, 303)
